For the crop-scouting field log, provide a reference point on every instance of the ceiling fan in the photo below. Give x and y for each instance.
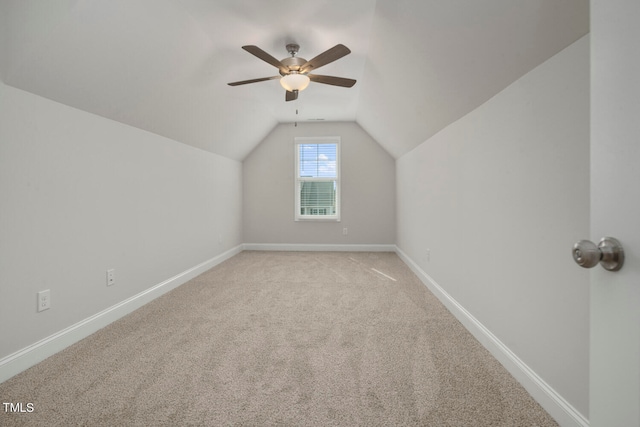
(294, 71)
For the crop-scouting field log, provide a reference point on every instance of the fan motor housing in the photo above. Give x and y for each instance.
(293, 63)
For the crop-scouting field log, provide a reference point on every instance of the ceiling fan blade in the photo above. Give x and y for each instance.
(291, 96)
(256, 51)
(326, 57)
(331, 80)
(244, 82)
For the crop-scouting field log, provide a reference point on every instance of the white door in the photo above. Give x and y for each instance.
(615, 211)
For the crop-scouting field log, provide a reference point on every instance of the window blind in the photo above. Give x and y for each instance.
(317, 160)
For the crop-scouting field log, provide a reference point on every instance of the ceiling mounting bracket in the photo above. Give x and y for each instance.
(293, 48)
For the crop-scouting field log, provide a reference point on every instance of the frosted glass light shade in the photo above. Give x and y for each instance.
(293, 82)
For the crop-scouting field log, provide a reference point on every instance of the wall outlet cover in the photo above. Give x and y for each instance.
(111, 277)
(44, 300)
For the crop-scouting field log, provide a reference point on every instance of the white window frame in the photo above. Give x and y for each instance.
(298, 180)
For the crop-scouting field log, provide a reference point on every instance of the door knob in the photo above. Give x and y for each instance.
(608, 253)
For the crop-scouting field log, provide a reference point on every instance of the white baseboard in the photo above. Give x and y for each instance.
(37, 352)
(318, 247)
(563, 412)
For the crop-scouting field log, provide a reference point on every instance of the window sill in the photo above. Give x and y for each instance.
(317, 219)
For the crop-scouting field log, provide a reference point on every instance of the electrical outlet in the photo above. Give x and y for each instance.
(111, 277)
(44, 300)
(428, 254)
(345, 231)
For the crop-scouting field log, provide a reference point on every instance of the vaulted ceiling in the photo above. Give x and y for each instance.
(164, 65)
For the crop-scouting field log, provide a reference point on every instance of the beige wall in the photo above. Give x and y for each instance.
(82, 194)
(367, 184)
(498, 198)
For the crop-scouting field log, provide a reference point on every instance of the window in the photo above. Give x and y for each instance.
(317, 183)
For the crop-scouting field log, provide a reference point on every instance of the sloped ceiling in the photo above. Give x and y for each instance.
(164, 65)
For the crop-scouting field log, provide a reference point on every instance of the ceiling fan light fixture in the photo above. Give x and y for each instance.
(294, 81)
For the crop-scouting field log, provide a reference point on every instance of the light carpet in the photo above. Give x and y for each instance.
(280, 338)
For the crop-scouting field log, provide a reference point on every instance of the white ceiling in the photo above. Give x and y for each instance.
(164, 65)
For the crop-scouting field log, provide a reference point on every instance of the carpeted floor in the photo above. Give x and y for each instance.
(280, 338)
